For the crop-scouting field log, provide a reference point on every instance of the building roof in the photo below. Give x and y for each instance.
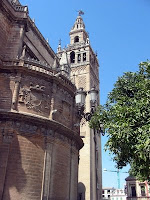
(131, 178)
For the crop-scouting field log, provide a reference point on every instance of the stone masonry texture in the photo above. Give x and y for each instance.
(39, 144)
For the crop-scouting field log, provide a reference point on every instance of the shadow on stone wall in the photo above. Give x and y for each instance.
(81, 191)
(12, 175)
(14, 180)
(5, 90)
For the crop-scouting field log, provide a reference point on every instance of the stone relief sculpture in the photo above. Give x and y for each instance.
(34, 98)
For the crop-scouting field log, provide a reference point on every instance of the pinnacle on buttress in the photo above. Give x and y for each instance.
(64, 59)
(64, 65)
(59, 46)
(56, 63)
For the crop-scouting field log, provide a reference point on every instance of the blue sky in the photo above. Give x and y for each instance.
(119, 31)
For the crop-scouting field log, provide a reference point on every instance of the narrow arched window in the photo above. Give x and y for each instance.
(79, 58)
(76, 39)
(72, 57)
(84, 56)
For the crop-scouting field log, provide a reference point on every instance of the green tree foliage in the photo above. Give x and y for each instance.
(126, 118)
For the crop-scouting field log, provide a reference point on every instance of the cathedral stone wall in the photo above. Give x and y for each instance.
(39, 136)
(6, 88)
(35, 158)
(5, 27)
(36, 43)
(22, 159)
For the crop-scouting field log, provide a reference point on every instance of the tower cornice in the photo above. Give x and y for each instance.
(78, 31)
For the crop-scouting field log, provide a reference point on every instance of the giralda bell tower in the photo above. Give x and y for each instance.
(83, 65)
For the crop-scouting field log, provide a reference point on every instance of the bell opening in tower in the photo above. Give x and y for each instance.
(76, 39)
(72, 57)
(84, 56)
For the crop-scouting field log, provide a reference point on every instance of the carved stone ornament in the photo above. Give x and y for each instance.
(16, 2)
(7, 135)
(34, 98)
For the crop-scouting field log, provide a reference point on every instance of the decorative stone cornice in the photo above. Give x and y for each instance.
(40, 68)
(77, 45)
(18, 7)
(34, 125)
(78, 65)
(28, 64)
(14, 11)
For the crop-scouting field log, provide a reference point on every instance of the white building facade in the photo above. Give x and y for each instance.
(113, 194)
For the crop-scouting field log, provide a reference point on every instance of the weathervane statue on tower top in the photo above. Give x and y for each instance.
(59, 41)
(80, 12)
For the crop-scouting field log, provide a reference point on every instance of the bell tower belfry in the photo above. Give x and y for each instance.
(78, 33)
(84, 69)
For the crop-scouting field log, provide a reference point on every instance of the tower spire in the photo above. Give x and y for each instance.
(78, 32)
(79, 24)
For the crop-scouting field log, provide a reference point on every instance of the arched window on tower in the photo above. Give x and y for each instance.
(84, 56)
(79, 58)
(76, 39)
(72, 57)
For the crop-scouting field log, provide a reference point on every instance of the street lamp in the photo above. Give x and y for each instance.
(80, 97)
(80, 102)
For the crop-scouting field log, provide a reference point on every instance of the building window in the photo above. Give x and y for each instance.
(142, 190)
(76, 39)
(79, 57)
(84, 56)
(72, 57)
(108, 191)
(133, 191)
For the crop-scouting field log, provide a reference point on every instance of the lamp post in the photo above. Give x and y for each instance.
(80, 97)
